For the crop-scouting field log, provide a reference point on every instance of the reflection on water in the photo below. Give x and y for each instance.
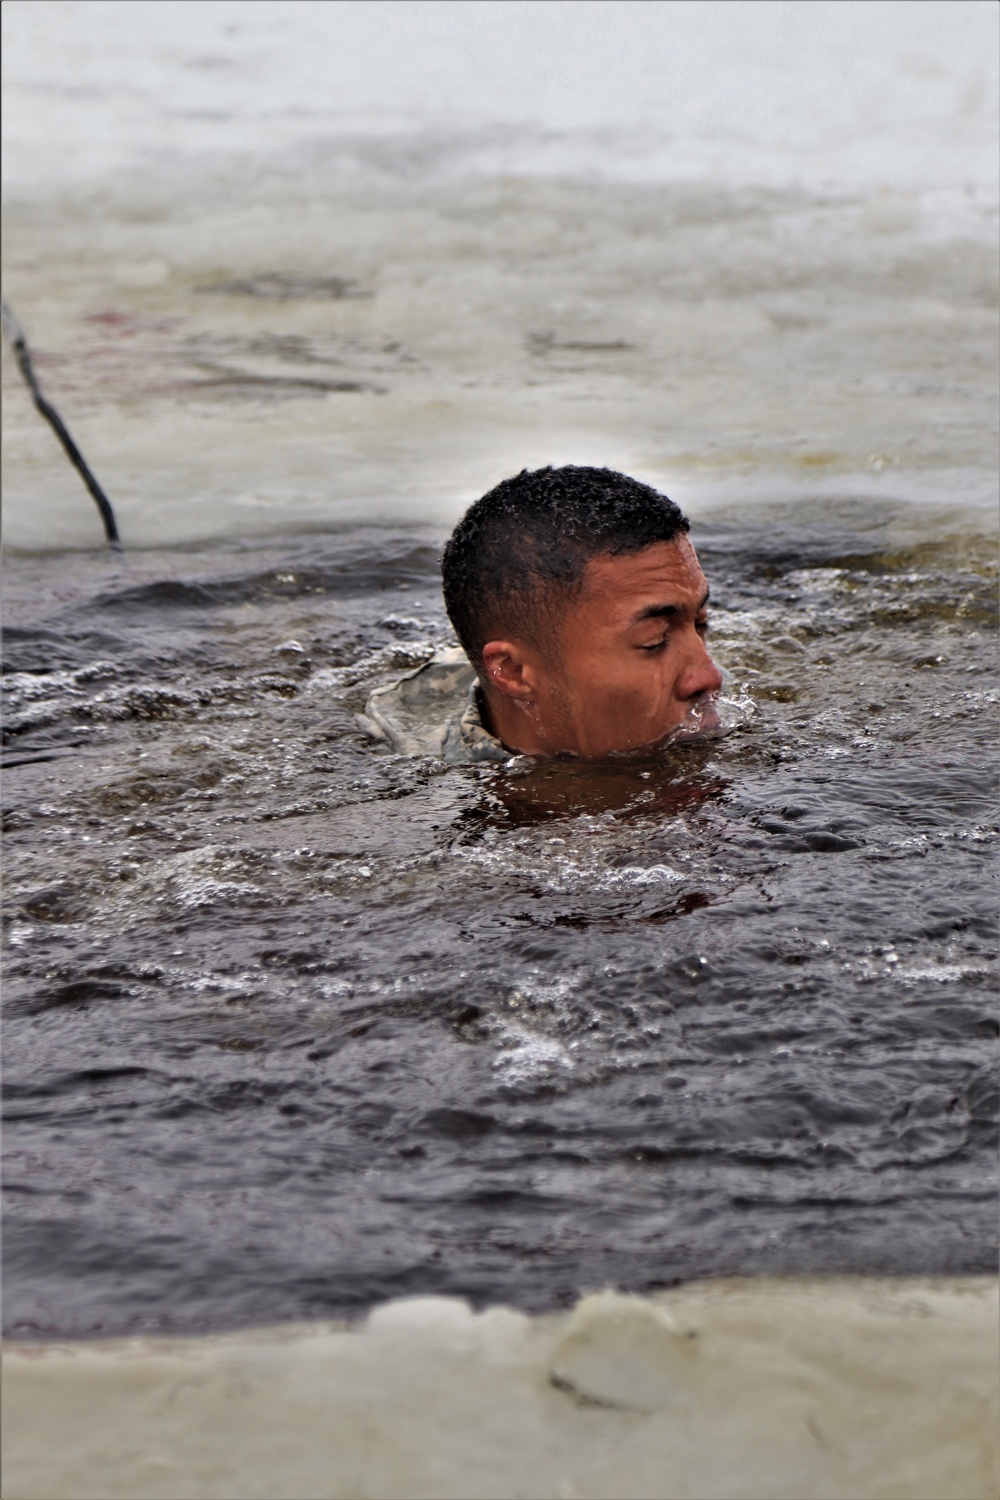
(504, 1032)
(662, 785)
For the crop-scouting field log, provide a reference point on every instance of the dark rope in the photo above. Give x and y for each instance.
(19, 344)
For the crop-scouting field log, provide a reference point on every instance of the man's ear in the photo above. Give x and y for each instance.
(508, 668)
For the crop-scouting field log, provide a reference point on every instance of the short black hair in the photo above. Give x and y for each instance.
(532, 537)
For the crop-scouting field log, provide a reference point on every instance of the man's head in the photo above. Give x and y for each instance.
(578, 598)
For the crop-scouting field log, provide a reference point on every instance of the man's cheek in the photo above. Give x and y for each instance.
(635, 698)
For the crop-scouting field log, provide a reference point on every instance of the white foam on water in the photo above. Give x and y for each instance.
(526, 1057)
(810, 1390)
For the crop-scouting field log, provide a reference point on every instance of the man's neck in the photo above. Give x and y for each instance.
(508, 722)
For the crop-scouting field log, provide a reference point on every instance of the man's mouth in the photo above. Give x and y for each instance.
(708, 717)
(713, 715)
(703, 719)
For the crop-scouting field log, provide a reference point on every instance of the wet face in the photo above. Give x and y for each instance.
(629, 666)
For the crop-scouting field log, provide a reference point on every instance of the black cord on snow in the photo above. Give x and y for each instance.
(22, 354)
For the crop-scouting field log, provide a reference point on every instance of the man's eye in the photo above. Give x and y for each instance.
(702, 627)
(656, 645)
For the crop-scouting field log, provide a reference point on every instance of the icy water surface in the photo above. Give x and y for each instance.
(295, 1025)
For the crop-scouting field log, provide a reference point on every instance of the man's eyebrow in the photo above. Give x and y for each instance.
(667, 611)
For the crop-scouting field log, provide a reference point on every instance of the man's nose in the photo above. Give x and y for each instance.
(700, 674)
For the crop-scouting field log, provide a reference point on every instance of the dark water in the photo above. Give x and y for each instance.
(294, 1025)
